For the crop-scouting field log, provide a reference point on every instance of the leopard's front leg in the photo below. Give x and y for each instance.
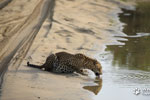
(81, 71)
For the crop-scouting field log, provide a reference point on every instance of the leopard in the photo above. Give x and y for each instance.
(64, 62)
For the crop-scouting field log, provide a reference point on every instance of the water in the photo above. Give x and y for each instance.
(126, 67)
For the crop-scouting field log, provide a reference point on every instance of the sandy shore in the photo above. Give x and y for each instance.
(76, 26)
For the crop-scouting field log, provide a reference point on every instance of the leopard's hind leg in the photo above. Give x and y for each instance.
(48, 65)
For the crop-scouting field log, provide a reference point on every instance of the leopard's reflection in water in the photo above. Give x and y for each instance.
(95, 88)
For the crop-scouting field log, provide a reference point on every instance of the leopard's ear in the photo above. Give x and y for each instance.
(94, 62)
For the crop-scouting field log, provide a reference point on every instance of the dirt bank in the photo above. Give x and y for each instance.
(77, 26)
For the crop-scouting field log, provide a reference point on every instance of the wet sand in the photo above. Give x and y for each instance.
(76, 27)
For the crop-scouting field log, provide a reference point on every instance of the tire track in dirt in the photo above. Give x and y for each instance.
(18, 44)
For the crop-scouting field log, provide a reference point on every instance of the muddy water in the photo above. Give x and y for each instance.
(126, 67)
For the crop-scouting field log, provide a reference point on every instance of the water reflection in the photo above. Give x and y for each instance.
(96, 88)
(136, 21)
(135, 54)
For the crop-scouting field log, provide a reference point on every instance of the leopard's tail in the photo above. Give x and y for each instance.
(34, 66)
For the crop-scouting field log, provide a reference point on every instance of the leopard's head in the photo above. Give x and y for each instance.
(97, 68)
(91, 64)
